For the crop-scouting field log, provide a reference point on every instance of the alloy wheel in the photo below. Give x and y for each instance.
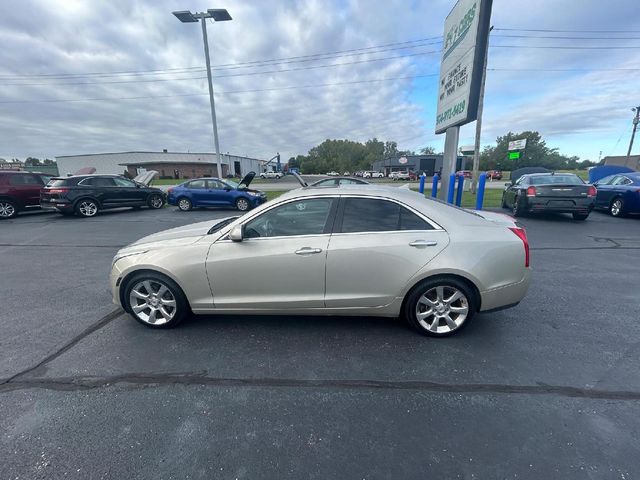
(184, 204)
(153, 302)
(242, 204)
(156, 201)
(88, 208)
(616, 207)
(7, 210)
(442, 309)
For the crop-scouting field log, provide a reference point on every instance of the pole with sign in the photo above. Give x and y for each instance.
(466, 31)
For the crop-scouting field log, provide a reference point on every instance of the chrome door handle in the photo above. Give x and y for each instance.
(423, 243)
(308, 251)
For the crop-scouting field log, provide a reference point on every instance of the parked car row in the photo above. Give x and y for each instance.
(567, 193)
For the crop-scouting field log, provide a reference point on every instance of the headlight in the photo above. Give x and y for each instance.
(253, 194)
(123, 255)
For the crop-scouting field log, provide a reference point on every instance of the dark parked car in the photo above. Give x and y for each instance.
(213, 192)
(550, 192)
(494, 174)
(86, 195)
(332, 182)
(619, 194)
(20, 191)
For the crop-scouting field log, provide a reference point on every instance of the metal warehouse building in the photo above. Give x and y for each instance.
(169, 164)
(429, 164)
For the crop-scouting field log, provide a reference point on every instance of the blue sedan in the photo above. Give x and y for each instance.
(619, 194)
(214, 192)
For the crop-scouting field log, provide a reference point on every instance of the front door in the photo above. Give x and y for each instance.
(279, 264)
(130, 193)
(376, 248)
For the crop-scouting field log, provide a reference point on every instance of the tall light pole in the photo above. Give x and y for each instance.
(636, 119)
(218, 15)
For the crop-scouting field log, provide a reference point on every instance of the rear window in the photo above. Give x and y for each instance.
(557, 179)
(57, 182)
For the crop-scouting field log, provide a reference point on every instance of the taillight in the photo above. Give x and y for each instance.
(57, 190)
(592, 192)
(531, 191)
(169, 190)
(522, 235)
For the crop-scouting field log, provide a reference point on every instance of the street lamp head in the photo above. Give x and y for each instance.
(185, 16)
(219, 14)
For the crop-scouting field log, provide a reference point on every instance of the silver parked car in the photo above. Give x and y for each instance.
(349, 250)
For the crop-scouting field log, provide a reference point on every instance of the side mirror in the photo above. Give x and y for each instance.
(227, 189)
(236, 234)
(508, 184)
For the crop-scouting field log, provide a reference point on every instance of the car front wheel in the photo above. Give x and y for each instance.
(8, 209)
(155, 201)
(242, 204)
(440, 307)
(155, 301)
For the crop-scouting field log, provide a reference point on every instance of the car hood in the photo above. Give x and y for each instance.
(145, 177)
(246, 180)
(179, 235)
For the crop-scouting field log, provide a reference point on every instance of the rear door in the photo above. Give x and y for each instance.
(605, 191)
(25, 187)
(199, 192)
(376, 247)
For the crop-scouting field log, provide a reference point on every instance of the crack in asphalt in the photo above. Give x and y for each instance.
(67, 346)
(201, 379)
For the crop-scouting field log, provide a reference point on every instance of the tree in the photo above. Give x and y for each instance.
(48, 161)
(32, 162)
(428, 150)
(390, 149)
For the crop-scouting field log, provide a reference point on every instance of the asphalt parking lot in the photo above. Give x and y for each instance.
(549, 389)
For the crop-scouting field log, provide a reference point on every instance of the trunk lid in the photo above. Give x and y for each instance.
(562, 190)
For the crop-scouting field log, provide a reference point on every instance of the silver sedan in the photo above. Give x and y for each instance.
(348, 250)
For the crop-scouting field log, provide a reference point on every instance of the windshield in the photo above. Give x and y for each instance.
(232, 184)
(556, 179)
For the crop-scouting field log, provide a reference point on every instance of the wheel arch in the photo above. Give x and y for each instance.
(11, 199)
(457, 276)
(86, 197)
(130, 274)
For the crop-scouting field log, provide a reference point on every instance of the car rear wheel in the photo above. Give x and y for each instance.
(504, 203)
(8, 209)
(616, 208)
(440, 307)
(242, 204)
(155, 201)
(580, 216)
(87, 208)
(185, 204)
(517, 209)
(155, 301)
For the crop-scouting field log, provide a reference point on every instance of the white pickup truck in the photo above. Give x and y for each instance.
(271, 175)
(400, 176)
(372, 174)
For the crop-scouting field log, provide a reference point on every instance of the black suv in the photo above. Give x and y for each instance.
(88, 194)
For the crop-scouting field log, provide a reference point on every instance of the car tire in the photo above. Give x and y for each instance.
(155, 201)
(503, 203)
(445, 297)
(243, 204)
(155, 300)
(517, 209)
(87, 208)
(616, 208)
(184, 204)
(8, 209)
(580, 216)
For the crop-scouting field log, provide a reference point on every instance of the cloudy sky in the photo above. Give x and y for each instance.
(81, 76)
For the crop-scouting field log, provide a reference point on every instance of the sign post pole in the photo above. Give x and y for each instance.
(449, 159)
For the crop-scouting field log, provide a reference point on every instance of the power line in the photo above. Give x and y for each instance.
(309, 67)
(563, 31)
(560, 37)
(564, 69)
(229, 92)
(398, 45)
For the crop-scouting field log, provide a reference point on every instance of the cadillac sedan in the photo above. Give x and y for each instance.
(350, 250)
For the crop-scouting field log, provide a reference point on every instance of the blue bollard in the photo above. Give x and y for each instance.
(460, 190)
(452, 185)
(421, 189)
(480, 192)
(434, 186)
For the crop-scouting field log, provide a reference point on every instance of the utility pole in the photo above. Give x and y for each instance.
(636, 119)
(218, 15)
(476, 151)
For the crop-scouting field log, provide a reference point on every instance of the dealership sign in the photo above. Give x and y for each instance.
(518, 144)
(463, 53)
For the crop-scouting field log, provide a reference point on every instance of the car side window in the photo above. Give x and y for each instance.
(215, 185)
(196, 184)
(346, 181)
(374, 215)
(103, 182)
(20, 179)
(123, 182)
(301, 217)
(620, 180)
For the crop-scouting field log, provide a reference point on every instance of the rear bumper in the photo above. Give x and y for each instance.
(579, 205)
(56, 205)
(506, 296)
